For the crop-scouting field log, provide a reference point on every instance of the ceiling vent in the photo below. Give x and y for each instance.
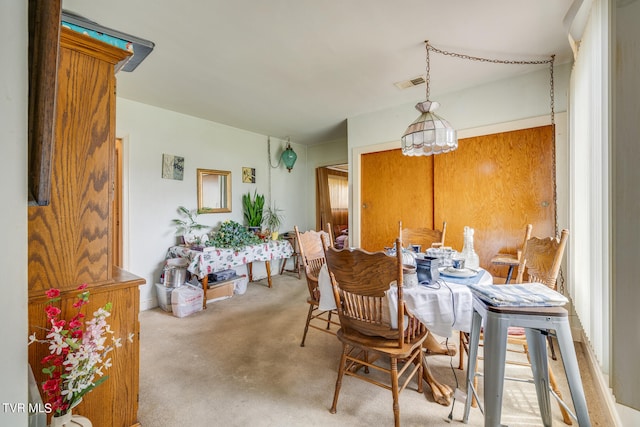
(405, 84)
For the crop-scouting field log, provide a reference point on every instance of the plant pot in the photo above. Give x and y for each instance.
(255, 230)
(274, 235)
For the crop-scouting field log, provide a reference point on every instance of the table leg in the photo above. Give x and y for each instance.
(205, 285)
(250, 271)
(434, 347)
(267, 264)
(509, 273)
(442, 393)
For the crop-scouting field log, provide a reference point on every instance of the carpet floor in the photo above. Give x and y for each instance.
(239, 363)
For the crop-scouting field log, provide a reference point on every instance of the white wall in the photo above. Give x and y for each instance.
(151, 201)
(626, 210)
(471, 112)
(13, 175)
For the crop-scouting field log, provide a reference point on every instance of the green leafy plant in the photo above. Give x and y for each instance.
(253, 208)
(187, 224)
(232, 235)
(273, 218)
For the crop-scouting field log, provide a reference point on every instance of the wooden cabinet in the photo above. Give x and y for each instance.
(70, 240)
(495, 184)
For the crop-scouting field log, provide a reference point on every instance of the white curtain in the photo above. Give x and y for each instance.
(589, 136)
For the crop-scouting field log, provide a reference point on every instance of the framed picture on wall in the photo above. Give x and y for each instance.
(172, 167)
(249, 175)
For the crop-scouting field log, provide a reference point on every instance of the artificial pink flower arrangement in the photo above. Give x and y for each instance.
(77, 355)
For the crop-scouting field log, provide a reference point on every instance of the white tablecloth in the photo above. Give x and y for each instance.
(443, 308)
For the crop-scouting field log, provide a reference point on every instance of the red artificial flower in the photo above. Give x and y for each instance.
(52, 311)
(53, 359)
(53, 293)
(83, 286)
(75, 324)
(51, 385)
(59, 323)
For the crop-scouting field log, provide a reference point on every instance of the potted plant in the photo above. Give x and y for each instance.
(186, 226)
(273, 219)
(232, 235)
(253, 208)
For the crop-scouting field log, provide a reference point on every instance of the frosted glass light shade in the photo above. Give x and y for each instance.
(429, 133)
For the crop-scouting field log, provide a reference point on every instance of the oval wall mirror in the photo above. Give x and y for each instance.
(214, 191)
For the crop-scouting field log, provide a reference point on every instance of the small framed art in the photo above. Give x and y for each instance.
(172, 167)
(249, 175)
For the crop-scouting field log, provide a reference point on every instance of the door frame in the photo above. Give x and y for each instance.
(562, 165)
(122, 192)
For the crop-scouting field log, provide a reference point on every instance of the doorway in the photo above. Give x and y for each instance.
(332, 200)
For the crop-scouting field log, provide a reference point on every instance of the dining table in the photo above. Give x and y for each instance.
(443, 306)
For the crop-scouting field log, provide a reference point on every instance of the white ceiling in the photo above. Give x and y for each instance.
(300, 68)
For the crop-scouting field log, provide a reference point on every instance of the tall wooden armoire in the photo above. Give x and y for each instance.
(70, 240)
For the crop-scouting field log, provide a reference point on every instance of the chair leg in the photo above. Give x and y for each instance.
(461, 349)
(329, 321)
(551, 347)
(306, 326)
(343, 362)
(394, 390)
(421, 368)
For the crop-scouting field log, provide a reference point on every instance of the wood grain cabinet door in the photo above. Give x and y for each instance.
(495, 184)
(394, 188)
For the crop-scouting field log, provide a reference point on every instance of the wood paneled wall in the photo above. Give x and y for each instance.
(495, 184)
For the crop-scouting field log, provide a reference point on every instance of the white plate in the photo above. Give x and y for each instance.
(455, 272)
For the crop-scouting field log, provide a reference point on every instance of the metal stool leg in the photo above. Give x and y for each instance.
(568, 353)
(539, 366)
(495, 354)
(472, 360)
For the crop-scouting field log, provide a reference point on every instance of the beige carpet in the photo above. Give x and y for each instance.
(239, 363)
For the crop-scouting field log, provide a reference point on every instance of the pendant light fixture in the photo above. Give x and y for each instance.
(288, 156)
(429, 133)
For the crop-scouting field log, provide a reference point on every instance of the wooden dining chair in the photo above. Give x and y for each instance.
(310, 245)
(540, 262)
(360, 282)
(425, 237)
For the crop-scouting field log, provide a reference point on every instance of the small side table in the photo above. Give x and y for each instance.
(295, 256)
(509, 260)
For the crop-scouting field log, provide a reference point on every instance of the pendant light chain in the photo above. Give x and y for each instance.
(480, 59)
(552, 102)
(427, 78)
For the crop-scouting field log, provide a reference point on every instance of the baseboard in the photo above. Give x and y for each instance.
(600, 385)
